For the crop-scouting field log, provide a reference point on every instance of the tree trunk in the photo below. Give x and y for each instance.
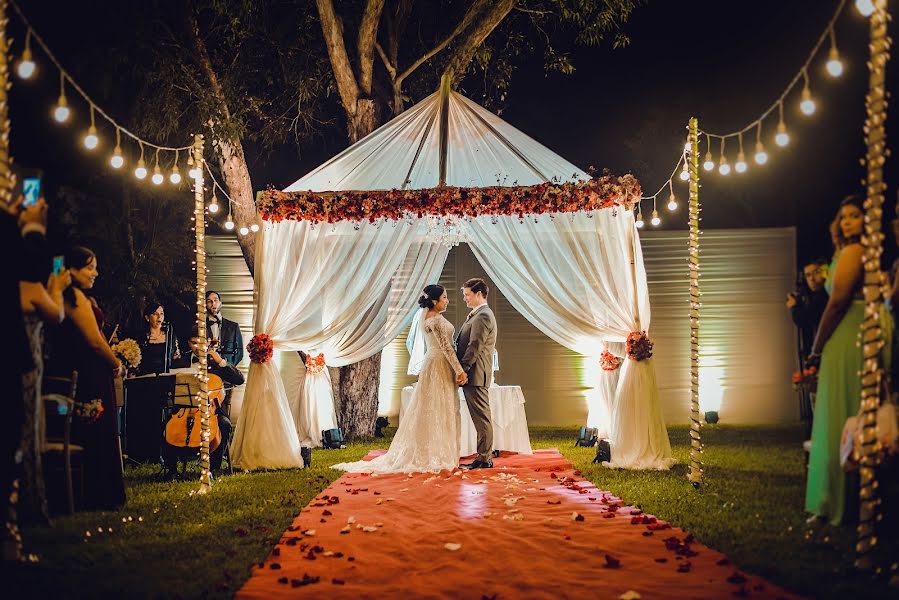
(363, 121)
(236, 175)
(473, 38)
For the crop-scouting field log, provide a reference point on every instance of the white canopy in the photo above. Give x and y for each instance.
(481, 150)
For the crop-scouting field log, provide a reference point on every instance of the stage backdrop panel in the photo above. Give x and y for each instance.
(747, 341)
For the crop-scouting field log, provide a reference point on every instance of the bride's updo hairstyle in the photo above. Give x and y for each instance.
(431, 295)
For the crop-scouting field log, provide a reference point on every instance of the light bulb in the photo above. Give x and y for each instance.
(229, 224)
(656, 221)
(157, 178)
(782, 138)
(761, 157)
(61, 113)
(26, 67)
(639, 222)
(175, 176)
(254, 227)
(91, 140)
(740, 166)
(687, 147)
(195, 173)
(672, 202)
(864, 7)
(141, 171)
(244, 231)
(723, 167)
(709, 164)
(214, 206)
(684, 174)
(117, 159)
(807, 105)
(834, 64)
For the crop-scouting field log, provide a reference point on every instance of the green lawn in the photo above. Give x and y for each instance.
(169, 543)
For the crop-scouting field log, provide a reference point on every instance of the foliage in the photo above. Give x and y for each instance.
(750, 508)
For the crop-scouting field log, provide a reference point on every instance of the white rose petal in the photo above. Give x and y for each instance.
(452, 546)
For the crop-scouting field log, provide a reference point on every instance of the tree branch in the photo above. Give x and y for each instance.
(475, 36)
(467, 18)
(390, 68)
(332, 29)
(368, 34)
(205, 63)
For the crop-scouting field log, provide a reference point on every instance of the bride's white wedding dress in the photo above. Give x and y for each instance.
(428, 436)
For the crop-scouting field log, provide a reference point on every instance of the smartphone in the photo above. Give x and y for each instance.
(31, 190)
(58, 264)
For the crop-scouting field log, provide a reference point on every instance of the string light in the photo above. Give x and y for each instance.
(62, 112)
(672, 201)
(864, 7)
(685, 173)
(656, 221)
(214, 203)
(175, 176)
(761, 157)
(194, 171)
(157, 178)
(117, 159)
(834, 64)
(229, 222)
(254, 227)
(141, 171)
(740, 166)
(245, 231)
(91, 141)
(723, 166)
(806, 104)
(27, 66)
(781, 138)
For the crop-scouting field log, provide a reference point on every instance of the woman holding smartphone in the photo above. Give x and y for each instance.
(81, 346)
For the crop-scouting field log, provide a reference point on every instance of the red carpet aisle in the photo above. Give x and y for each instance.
(530, 528)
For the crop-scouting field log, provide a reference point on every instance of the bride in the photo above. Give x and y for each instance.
(428, 436)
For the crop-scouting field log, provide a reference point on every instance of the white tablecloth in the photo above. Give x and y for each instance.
(510, 424)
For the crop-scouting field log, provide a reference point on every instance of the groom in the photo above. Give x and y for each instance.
(474, 348)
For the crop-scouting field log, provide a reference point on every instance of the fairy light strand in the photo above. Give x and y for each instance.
(203, 374)
(695, 473)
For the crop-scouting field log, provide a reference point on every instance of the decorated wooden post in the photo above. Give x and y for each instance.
(872, 338)
(203, 373)
(695, 474)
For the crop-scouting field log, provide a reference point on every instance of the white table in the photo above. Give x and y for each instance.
(510, 424)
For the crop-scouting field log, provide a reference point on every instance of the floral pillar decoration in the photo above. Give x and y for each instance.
(695, 474)
(203, 372)
(872, 339)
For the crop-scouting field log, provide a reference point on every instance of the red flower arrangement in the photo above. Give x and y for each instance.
(808, 377)
(261, 348)
(638, 346)
(315, 364)
(608, 361)
(604, 191)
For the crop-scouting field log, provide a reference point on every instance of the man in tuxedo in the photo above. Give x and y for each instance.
(474, 348)
(223, 336)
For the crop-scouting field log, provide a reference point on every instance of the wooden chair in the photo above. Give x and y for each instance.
(58, 395)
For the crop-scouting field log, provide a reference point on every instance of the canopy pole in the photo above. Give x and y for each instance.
(445, 83)
(695, 474)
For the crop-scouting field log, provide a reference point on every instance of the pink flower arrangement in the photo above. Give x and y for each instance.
(604, 191)
(608, 361)
(261, 348)
(638, 346)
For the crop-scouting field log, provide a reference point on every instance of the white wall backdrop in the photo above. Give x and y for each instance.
(747, 341)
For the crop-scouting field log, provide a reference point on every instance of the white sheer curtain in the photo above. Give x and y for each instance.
(579, 278)
(345, 289)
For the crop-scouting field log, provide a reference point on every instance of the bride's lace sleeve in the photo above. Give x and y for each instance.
(444, 336)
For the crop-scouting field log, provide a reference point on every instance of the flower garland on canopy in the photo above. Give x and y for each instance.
(315, 364)
(638, 346)
(261, 348)
(608, 361)
(604, 191)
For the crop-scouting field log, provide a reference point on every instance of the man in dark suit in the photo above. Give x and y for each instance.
(223, 336)
(474, 348)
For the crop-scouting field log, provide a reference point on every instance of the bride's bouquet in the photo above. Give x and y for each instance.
(315, 364)
(129, 353)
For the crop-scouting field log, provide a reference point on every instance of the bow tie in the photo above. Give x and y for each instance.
(213, 319)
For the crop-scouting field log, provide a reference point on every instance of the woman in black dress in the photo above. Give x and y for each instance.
(155, 338)
(81, 346)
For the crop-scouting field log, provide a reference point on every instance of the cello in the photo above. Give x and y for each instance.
(183, 428)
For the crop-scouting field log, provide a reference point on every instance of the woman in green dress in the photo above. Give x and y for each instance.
(839, 383)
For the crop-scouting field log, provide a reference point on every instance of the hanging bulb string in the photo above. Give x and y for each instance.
(64, 76)
(828, 33)
(216, 185)
(668, 182)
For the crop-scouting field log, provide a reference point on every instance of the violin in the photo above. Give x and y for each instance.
(183, 428)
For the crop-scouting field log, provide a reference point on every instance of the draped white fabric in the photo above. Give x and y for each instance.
(344, 289)
(580, 279)
(316, 409)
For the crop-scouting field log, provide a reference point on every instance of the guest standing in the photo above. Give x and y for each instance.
(81, 346)
(157, 340)
(839, 385)
(223, 336)
(807, 304)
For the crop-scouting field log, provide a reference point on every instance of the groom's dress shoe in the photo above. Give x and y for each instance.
(479, 464)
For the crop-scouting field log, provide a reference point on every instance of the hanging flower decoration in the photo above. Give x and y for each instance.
(807, 377)
(261, 348)
(608, 361)
(638, 346)
(315, 364)
(603, 191)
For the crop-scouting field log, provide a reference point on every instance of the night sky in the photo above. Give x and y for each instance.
(624, 109)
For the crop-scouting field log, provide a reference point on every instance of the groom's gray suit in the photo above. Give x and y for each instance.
(474, 348)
